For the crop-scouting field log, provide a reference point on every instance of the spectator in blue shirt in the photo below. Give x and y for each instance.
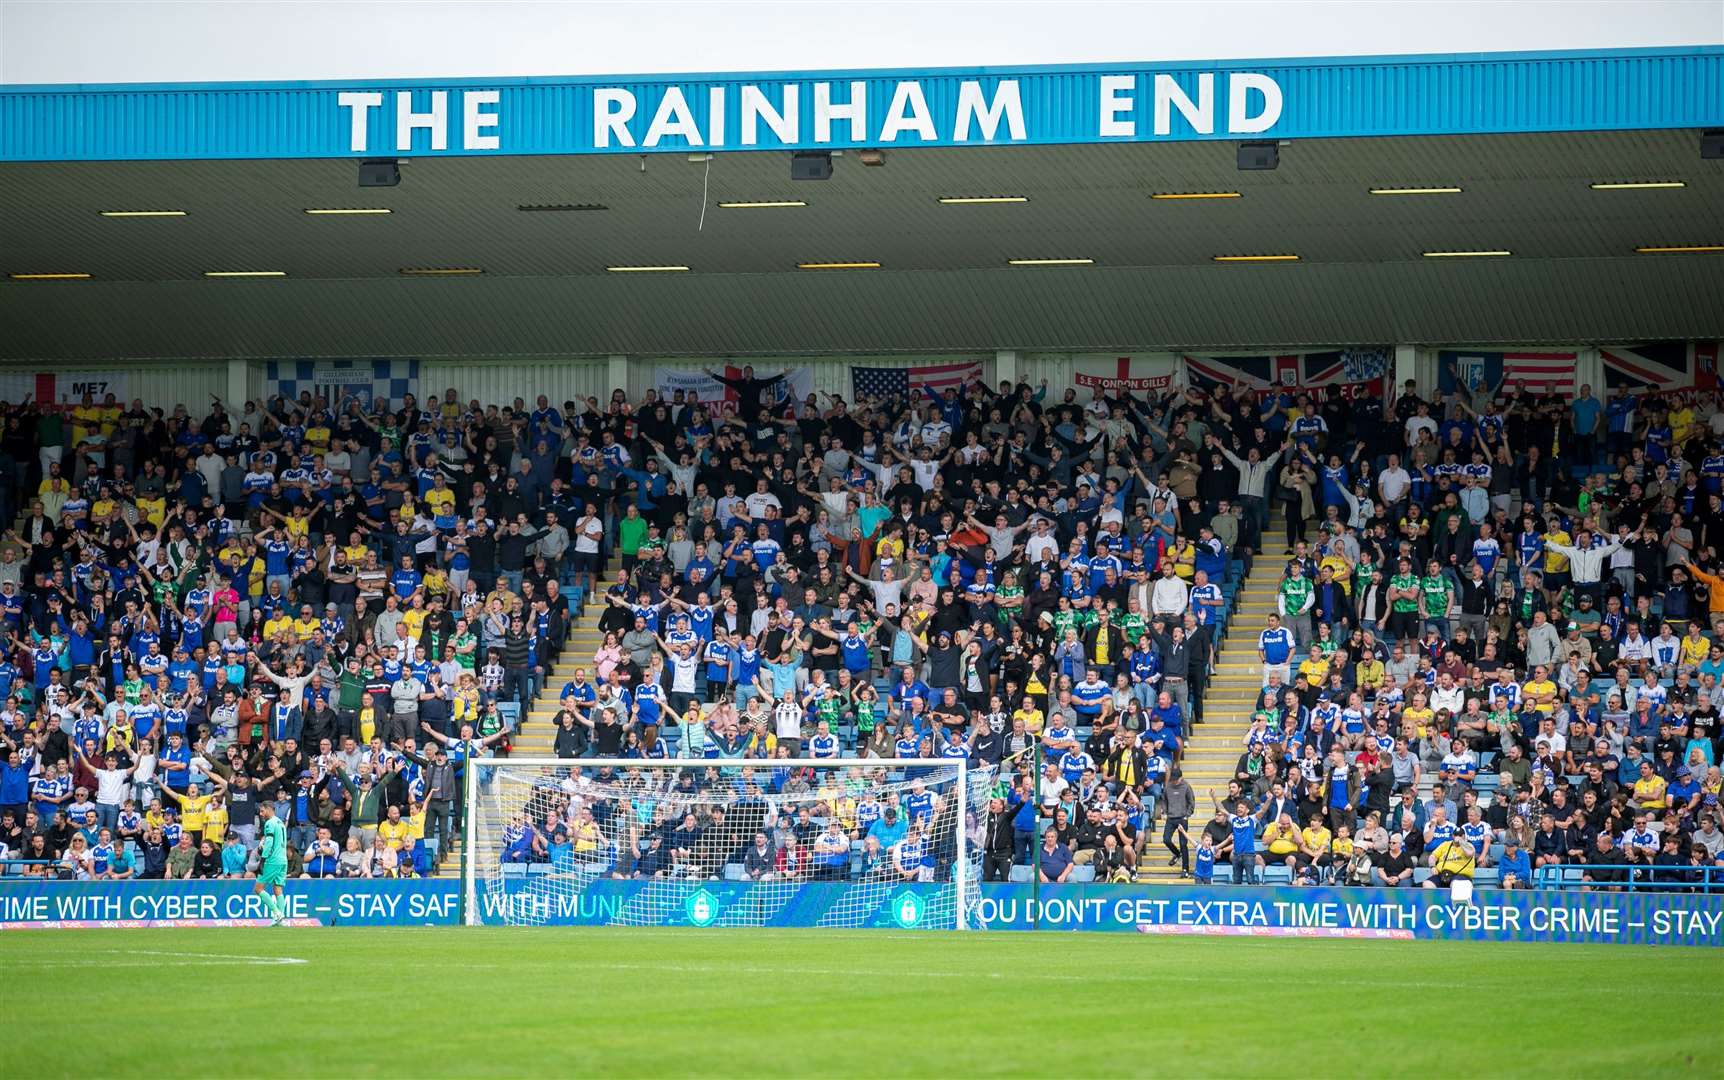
(1515, 867)
(1056, 859)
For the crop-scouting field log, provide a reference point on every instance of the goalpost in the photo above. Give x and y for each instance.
(847, 842)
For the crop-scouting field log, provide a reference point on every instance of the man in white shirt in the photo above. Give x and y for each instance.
(1041, 543)
(1393, 482)
(1421, 421)
(1446, 695)
(1171, 596)
(760, 499)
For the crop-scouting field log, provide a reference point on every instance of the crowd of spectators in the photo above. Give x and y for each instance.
(336, 606)
(1496, 645)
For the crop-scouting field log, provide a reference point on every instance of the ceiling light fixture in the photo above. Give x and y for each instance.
(838, 266)
(1466, 254)
(143, 213)
(348, 210)
(50, 277)
(440, 271)
(981, 200)
(1415, 191)
(1679, 249)
(1171, 195)
(763, 204)
(245, 273)
(1255, 258)
(1637, 185)
(1050, 262)
(644, 269)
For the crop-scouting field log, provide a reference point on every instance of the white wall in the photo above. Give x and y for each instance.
(501, 382)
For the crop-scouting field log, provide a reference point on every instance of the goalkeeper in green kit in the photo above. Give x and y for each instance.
(272, 863)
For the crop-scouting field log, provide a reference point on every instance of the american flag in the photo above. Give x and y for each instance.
(886, 382)
(1543, 372)
(1540, 370)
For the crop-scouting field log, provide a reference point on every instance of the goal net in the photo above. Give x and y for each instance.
(849, 843)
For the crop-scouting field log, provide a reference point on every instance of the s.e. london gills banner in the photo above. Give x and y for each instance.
(1563, 917)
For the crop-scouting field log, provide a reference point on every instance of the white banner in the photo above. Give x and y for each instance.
(798, 383)
(63, 387)
(1151, 371)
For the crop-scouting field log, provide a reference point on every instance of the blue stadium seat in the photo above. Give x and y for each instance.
(1082, 874)
(1021, 874)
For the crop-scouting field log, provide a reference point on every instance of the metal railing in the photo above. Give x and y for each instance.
(1630, 877)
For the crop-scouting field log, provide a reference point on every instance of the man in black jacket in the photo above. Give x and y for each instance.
(997, 839)
(1176, 665)
(1476, 600)
(748, 388)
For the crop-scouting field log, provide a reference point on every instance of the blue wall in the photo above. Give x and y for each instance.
(36, 903)
(1423, 95)
(1638, 918)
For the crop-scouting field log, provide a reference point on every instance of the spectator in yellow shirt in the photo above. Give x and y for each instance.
(394, 831)
(153, 510)
(1695, 647)
(1649, 789)
(192, 806)
(1682, 425)
(86, 419)
(1314, 843)
(215, 820)
(1340, 568)
(440, 501)
(1370, 674)
(1540, 691)
(1453, 859)
(1281, 840)
(435, 582)
(1315, 668)
(1031, 716)
(1554, 563)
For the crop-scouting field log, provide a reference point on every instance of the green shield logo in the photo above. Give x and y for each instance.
(907, 910)
(702, 907)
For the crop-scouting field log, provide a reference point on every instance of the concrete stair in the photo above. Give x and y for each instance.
(1214, 748)
(536, 734)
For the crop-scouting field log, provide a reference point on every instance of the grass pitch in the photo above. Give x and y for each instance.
(628, 1002)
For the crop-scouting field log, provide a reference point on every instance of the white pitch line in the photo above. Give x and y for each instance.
(233, 958)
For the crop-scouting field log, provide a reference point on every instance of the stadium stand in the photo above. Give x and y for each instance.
(1207, 636)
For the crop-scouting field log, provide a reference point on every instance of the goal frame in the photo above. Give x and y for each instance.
(962, 881)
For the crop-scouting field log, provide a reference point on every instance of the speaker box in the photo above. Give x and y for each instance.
(1712, 145)
(811, 167)
(1254, 156)
(379, 174)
